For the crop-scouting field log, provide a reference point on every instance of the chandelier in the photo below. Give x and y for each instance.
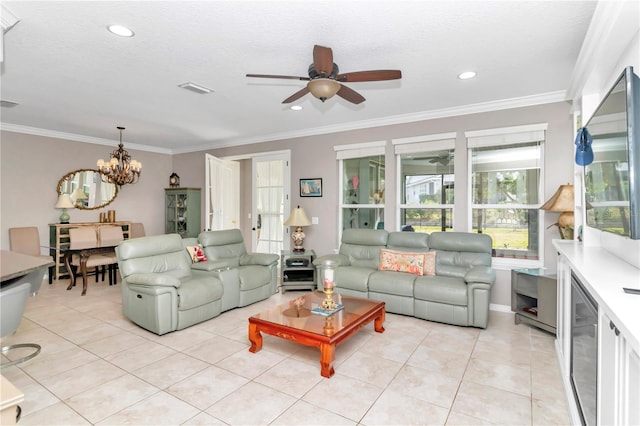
(121, 169)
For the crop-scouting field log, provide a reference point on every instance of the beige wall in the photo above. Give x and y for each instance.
(314, 156)
(31, 167)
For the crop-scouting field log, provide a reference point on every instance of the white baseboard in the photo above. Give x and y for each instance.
(500, 308)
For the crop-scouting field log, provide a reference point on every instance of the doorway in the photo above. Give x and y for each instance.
(270, 201)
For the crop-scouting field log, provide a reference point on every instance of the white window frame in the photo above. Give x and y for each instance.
(352, 151)
(419, 144)
(507, 136)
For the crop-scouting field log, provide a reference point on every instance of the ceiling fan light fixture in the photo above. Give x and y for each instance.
(323, 88)
(296, 107)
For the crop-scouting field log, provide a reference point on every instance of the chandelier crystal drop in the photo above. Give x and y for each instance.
(121, 169)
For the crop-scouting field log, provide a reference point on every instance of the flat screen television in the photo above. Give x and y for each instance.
(612, 180)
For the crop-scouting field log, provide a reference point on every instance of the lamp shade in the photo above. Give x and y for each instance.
(64, 202)
(561, 201)
(298, 218)
(78, 194)
(323, 88)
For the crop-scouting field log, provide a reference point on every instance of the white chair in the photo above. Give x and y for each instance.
(26, 240)
(110, 236)
(136, 230)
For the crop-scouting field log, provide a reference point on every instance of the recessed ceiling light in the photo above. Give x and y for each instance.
(194, 87)
(467, 75)
(120, 30)
(296, 107)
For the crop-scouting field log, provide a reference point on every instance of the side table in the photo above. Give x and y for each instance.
(534, 298)
(297, 270)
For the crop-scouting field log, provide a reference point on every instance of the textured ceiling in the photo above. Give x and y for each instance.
(70, 76)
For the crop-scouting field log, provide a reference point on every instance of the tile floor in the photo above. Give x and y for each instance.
(96, 367)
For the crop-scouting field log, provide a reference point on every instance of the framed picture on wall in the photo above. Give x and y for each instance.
(311, 187)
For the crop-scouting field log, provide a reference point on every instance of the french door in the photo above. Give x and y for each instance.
(222, 194)
(271, 201)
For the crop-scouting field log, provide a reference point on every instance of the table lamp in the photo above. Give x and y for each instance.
(64, 203)
(298, 218)
(562, 201)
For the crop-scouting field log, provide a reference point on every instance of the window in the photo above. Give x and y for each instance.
(506, 167)
(426, 176)
(362, 181)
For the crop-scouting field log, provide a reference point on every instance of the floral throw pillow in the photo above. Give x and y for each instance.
(401, 261)
(430, 263)
(196, 253)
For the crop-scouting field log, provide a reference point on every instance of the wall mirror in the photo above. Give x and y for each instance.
(87, 189)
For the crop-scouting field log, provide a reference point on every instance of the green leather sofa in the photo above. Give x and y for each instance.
(458, 293)
(163, 291)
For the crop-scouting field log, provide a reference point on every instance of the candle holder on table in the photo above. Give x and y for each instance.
(329, 267)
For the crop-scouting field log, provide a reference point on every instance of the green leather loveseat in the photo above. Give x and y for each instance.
(163, 291)
(458, 293)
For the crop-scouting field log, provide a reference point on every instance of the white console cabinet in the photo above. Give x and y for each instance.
(603, 276)
(619, 367)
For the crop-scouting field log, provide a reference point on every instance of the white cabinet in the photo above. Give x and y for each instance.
(618, 373)
(618, 377)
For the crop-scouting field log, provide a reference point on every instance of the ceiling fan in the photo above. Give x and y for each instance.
(324, 79)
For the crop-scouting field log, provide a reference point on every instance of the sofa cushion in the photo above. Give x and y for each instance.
(408, 241)
(198, 291)
(353, 277)
(451, 291)
(253, 276)
(396, 283)
(400, 261)
(362, 246)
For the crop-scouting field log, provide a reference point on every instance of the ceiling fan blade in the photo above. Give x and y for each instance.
(289, 77)
(323, 60)
(300, 93)
(350, 95)
(374, 75)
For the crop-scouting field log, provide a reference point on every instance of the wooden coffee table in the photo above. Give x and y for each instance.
(294, 321)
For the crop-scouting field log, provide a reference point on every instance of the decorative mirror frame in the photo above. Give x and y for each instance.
(70, 175)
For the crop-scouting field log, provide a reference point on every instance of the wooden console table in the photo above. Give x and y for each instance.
(59, 241)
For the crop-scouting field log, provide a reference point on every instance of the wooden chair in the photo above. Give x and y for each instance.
(26, 240)
(111, 236)
(84, 238)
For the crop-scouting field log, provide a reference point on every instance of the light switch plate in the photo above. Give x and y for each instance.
(314, 220)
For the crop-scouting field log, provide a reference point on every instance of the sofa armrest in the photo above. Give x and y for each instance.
(340, 259)
(480, 274)
(154, 279)
(265, 259)
(211, 265)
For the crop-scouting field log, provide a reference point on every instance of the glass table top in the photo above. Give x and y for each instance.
(297, 313)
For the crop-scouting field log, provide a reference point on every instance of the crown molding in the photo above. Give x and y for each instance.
(7, 18)
(524, 101)
(503, 104)
(613, 26)
(78, 138)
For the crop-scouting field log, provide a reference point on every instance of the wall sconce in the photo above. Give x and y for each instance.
(298, 219)
(562, 201)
